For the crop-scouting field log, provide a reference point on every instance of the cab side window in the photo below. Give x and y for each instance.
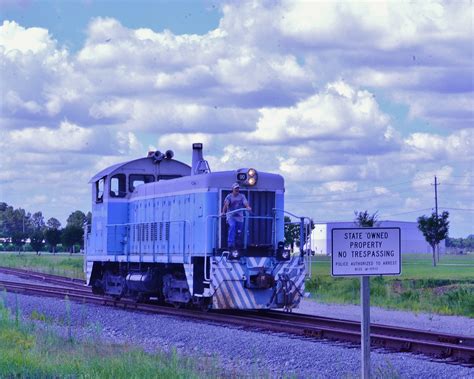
(134, 180)
(118, 186)
(99, 190)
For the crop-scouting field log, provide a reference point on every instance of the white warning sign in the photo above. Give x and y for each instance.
(366, 251)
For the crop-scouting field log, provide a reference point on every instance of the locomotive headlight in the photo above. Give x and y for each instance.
(251, 176)
(235, 254)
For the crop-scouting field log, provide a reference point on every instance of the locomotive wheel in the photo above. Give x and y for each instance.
(205, 304)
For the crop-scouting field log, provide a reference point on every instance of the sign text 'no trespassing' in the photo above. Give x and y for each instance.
(366, 251)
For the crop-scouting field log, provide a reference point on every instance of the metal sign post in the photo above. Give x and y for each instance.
(365, 252)
(365, 326)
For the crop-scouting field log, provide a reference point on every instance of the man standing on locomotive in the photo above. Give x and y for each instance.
(235, 200)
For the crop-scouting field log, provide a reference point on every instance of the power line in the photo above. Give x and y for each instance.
(459, 209)
(367, 190)
(314, 198)
(457, 185)
(404, 213)
(323, 198)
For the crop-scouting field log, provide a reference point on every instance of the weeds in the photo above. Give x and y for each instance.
(447, 289)
(49, 264)
(29, 353)
(434, 296)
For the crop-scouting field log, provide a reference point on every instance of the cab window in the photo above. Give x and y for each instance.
(118, 186)
(135, 180)
(99, 190)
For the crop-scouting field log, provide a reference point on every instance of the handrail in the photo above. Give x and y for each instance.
(207, 278)
(302, 223)
(184, 221)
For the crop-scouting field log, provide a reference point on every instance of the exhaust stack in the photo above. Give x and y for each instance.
(199, 164)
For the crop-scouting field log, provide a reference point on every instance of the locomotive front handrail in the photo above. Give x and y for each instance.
(216, 217)
(302, 223)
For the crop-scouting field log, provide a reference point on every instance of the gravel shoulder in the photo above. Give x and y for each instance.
(239, 352)
(424, 321)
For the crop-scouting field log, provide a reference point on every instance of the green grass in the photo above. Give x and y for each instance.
(445, 289)
(59, 264)
(27, 351)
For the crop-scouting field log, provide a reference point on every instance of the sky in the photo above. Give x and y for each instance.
(359, 105)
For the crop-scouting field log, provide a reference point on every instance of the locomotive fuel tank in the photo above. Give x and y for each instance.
(143, 282)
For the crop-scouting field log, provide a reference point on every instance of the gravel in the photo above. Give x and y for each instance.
(248, 353)
(424, 321)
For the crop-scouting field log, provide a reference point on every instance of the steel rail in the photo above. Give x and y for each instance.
(39, 276)
(456, 349)
(394, 331)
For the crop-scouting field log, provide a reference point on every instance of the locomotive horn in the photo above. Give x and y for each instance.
(158, 156)
(169, 154)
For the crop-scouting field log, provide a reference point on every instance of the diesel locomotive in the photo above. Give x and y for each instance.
(157, 233)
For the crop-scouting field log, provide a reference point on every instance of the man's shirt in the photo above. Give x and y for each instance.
(236, 202)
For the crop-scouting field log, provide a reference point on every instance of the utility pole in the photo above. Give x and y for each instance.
(436, 210)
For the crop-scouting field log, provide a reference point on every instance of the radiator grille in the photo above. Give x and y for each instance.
(260, 230)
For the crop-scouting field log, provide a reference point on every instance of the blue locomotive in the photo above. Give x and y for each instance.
(157, 233)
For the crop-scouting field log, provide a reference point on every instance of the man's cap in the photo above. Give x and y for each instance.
(235, 185)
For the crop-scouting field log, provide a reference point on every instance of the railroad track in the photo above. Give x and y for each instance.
(41, 277)
(453, 348)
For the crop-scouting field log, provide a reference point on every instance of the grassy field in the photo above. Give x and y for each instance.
(58, 264)
(445, 289)
(27, 351)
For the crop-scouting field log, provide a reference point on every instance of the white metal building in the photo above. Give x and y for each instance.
(413, 240)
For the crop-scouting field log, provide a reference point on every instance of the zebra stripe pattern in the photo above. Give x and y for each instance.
(228, 278)
(188, 270)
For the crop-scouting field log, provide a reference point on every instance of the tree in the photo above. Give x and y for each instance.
(435, 229)
(72, 235)
(461, 243)
(52, 234)
(365, 220)
(53, 223)
(292, 233)
(18, 239)
(76, 218)
(89, 218)
(37, 221)
(36, 241)
(3, 208)
(13, 221)
(53, 237)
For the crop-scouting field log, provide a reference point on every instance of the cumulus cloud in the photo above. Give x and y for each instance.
(72, 138)
(425, 179)
(16, 39)
(289, 87)
(456, 147)
(419, 46)
(340, 186)
(373, 23)
(339, 113)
